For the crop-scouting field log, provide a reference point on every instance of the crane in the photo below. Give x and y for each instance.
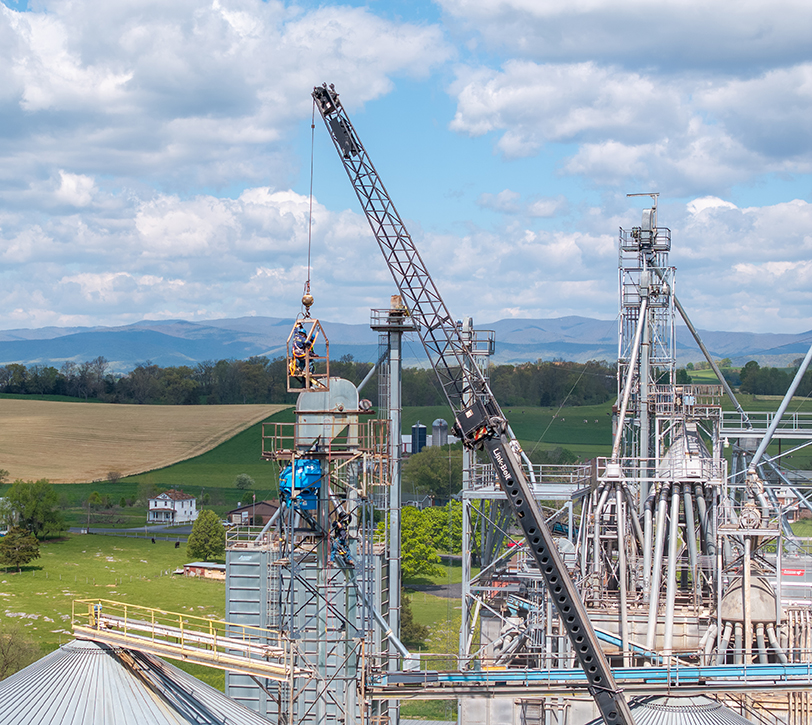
(479, 420)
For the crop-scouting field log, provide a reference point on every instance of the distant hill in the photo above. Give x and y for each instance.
(179, 342)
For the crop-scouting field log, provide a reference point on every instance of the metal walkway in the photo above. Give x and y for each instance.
(663, 680)
(214, 643)
(796, 425)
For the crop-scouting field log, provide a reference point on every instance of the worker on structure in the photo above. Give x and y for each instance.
(300, 348)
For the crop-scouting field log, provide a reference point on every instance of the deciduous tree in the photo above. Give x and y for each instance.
(18, 547)
(36, 507)
(435, 470)
(417, 555)
(16, 649)
(208, 537)
(244, 481)
(411, 632)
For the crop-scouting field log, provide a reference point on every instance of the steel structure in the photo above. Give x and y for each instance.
(679, 561)
(316, 573)
(479, 420)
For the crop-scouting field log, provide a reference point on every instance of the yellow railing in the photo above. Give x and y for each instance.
(212, 642)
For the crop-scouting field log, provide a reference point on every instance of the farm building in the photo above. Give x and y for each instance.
(172, 507)
(205, 569)
(261, 512)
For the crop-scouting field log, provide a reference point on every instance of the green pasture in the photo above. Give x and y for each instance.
(218, 467)
(103, 567)
(585, 430)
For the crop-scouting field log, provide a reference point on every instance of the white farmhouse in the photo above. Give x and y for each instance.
(172, 507)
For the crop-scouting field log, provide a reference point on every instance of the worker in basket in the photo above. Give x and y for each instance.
(300, 347)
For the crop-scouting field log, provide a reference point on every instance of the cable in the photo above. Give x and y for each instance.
(306, 294)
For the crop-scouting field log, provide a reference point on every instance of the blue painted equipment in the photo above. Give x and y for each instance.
(306, 482)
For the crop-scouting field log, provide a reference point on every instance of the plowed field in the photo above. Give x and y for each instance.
(77, 442)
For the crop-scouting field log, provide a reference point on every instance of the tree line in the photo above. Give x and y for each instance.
(262, 380)
(755, 379)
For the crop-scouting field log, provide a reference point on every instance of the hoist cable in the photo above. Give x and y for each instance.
(310, 209)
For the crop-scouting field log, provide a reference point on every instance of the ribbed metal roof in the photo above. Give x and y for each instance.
(698, 710)
(86, 683)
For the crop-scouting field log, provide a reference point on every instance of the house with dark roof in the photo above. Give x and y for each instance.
(172, 507)
(256, 514)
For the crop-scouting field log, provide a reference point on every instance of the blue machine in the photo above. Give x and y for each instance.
(307, 483)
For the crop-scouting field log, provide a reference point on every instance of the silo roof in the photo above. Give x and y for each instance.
(87, 683)
(698, 710)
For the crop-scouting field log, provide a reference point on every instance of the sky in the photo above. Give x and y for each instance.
(155, 157)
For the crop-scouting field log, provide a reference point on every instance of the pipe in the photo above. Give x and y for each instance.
(596, 543)
(372, 370)
(633, 516)
(656, 569)
(721, 653)
(690, 535)
(711, 641)
(627, 387)
(746, 603)
(648, 534)
(763, 659)
(782, 657)
(704, 530)
(737, 643)
(671, 580)
(621, 565)
(267, 526)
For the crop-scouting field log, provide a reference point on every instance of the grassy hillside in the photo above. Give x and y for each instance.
(129, 570)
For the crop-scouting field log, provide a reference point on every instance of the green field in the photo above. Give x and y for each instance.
(102, 567)
(584, 430)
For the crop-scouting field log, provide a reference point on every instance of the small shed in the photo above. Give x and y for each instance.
(205, 569)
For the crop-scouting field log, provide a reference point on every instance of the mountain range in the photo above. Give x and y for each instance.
(180, 342)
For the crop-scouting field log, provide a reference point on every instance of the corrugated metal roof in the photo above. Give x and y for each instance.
(699, 710)
(86, 683)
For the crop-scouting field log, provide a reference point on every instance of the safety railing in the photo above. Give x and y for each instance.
(216, 643)
(679, 469)
(345, 434)
(702, 401)
(798, 423)
(577, 475)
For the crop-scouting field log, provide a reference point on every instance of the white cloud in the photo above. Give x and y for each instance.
(533, 104)
(189, 92)
(626, 125)
(732, 36)
(505, 201)
(75, 189)
(708, 202)
(744, 269)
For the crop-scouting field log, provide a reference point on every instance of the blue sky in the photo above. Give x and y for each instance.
(156, 156)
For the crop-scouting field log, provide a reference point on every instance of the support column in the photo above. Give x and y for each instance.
(395, 463)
